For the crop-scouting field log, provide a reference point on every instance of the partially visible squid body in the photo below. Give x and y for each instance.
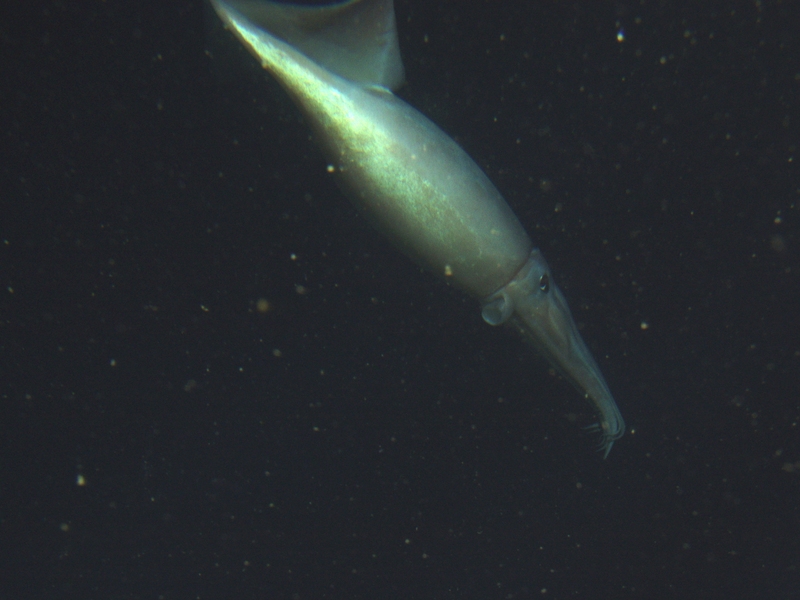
(340, 64)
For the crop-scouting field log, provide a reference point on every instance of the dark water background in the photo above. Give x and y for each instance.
(369, 436)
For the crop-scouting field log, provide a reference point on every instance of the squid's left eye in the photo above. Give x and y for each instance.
(544, 283)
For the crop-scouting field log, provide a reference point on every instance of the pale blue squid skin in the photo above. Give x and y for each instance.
(416, 185)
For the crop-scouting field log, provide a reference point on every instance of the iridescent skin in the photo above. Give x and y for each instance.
(423, 192)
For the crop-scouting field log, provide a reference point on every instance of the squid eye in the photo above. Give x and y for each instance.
(544, 283)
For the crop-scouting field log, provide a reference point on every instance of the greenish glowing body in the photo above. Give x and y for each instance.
(421, 189)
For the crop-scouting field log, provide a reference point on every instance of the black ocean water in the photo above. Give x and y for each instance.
(216, 381)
